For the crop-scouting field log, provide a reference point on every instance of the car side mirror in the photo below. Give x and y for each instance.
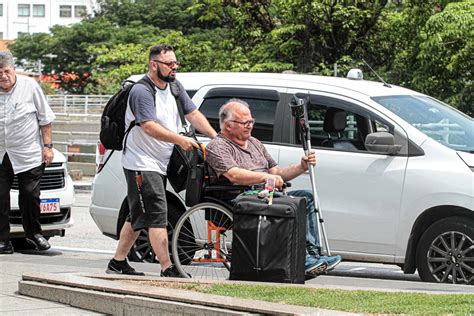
(381, 143)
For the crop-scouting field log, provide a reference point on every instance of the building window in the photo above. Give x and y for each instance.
(1, 9)
(1, 36)
(80, 11)
(38, 10)
(23, 10)
(65, 11)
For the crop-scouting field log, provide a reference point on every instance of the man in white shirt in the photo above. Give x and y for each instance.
(146, 155)
(25, 149)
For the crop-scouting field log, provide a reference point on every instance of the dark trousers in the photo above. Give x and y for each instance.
(28, 198)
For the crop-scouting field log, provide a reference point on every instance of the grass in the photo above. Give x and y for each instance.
(351, 301)
(376, 302)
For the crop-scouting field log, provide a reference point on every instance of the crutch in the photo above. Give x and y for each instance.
(299, 111)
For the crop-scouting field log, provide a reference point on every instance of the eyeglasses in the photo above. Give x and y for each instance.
(167, 63)
(246, 124)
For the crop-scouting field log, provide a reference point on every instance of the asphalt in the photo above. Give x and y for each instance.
(77, 285)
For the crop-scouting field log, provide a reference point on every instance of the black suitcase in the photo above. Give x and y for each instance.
(269, 241)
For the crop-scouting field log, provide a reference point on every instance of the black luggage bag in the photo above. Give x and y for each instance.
(269, 241)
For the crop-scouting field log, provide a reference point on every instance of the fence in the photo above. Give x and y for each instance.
(78, 106)
(76, 129)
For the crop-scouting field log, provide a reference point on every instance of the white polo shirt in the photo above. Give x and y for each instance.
(22, 111)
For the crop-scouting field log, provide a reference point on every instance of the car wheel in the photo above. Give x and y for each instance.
(445, 252)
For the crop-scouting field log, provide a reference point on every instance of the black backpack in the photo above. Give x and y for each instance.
(112, 121)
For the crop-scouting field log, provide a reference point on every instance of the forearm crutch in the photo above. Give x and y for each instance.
(299, 111)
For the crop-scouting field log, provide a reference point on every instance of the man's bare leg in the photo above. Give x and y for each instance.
(159, 243)
(126, 241)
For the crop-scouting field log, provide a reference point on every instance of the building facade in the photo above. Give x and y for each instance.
(20, 17)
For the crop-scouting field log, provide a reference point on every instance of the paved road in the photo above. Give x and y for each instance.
(86, 238)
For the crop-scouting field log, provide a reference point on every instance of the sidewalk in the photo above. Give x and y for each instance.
(63, 279)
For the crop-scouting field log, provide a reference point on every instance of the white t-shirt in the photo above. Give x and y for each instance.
(141, 151)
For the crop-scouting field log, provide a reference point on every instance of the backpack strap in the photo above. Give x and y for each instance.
(175, 91)
(150, 87)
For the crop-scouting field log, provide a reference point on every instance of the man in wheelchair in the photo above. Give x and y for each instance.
(235, 156)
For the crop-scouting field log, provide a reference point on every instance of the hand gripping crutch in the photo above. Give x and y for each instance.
(299, 111)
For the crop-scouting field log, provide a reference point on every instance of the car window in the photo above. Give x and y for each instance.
(263, 111)
(433, 118)
(339, 127)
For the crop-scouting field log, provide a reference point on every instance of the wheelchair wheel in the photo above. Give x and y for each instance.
(202, 241)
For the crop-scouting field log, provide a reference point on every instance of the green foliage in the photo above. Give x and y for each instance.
(446, 56)
(350, 301)
(76, 48)
(113, 65)
(162, 14)
(408, 47)
(301, 33)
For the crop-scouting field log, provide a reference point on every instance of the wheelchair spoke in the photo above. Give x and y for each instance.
(202, 240)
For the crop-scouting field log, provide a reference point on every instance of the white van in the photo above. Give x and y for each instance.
(410, 204)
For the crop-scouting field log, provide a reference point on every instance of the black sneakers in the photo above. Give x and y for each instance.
(121, 267)
(172, 272)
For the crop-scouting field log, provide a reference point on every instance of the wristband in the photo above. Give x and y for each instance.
(50, 146)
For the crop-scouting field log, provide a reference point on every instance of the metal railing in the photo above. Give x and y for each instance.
(77, 108)
(77, 105)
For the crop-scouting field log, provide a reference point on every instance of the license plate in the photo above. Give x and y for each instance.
(49, 206)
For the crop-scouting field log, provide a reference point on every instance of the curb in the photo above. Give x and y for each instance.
(114, 304)
(124, 295)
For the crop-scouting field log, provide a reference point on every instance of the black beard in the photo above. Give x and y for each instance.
(169, 78)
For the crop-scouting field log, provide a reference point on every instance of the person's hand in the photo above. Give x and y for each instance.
(278, 182)
(48, 155)
(311, 159)
(187, 143)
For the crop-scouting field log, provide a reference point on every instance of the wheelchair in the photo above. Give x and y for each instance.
(201, 245)
(202, 239)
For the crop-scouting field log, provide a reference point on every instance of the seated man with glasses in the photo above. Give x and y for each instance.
(235, 156)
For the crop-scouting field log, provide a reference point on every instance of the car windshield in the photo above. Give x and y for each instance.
(439, 121)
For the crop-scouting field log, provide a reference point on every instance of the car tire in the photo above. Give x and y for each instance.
(445, 252)
(141, 250)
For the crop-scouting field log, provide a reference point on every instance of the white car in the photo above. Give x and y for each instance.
(409, 203)
(57, 198)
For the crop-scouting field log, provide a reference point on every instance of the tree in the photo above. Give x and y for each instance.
(425, 46)
(75, 47)
(162, 14)
(446, 56)
(302, 33)
(203, 51)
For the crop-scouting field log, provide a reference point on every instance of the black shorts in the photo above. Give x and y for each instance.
(147, 201)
